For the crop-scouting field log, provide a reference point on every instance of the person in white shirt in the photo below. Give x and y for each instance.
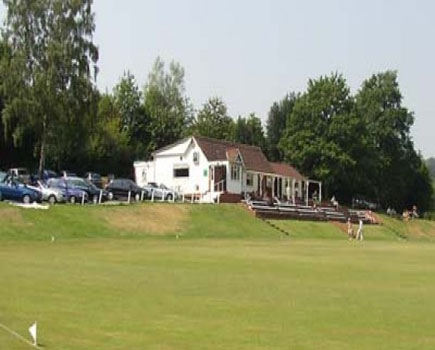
(359, 234)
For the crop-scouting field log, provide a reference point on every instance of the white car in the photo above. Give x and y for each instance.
(158, 192)
(51, 195)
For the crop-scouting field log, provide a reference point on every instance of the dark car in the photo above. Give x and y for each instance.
(71, 193)
(93, 191)
(361, 202)
(95, 178)
(15, 191)
(119, 189)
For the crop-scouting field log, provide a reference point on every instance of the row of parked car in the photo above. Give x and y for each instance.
(18, 185)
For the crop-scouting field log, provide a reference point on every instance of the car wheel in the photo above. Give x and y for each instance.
(137, 197)
(52, 200)
(26, 199)
(169, 197)
(110, 196)
(95, 199)
(72, 200)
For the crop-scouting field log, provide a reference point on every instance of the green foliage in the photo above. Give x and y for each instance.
(249, 131)
(109, 148)
(321, 132)
(47, 80)
(134, 119)
(165, 104)
(431, 167)
(276, 124)
(399, 176)
(213, 120)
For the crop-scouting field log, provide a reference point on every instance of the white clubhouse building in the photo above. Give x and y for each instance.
(214, 168)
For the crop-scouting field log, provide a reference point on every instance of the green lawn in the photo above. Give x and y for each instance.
(228, 282)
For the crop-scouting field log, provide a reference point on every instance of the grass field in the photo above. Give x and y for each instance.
(117, 278)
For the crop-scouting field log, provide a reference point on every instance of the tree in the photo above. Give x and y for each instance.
(320, 134)
(276, 124)
(398, 167)
(134, 119)
(431, 167)
(249, 131)
(47, 82)
(165, 104)
(109, 143)
(213, 120)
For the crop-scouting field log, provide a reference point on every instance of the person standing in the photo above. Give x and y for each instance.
(349, 229)
(359, 234)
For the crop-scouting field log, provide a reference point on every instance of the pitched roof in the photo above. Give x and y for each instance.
(217, 150)
(286, 170)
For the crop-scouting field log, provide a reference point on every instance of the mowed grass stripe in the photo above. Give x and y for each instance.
(222, 294)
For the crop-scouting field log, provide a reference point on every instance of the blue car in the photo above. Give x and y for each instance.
(15, 191)
(71, 193)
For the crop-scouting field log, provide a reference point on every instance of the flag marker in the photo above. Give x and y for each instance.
(16, 335)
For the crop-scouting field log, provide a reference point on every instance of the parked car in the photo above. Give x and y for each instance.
(92, 190)
(66, 174)
(51, 195)
(22, 174)
(3, 176)
(119, 189)
(360, 202)
(95, 178)
(160, 192)
(71, 193)
(16, 191)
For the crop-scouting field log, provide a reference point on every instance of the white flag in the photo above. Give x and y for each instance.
(32, 330)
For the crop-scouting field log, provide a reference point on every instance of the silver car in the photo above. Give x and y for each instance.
(51, 195)
(160, 192)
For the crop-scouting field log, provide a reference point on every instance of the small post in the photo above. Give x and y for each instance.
(83, 198)
(152, 196)
(100, 198)
(141, 196)
(163, 195)
(192, 196)
(129, 197)
(183, 198)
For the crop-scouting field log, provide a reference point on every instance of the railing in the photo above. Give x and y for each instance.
(219, 186)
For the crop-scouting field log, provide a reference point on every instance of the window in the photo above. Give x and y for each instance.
(181, 172)
(235, 172)
(249, 179)
(195, 157)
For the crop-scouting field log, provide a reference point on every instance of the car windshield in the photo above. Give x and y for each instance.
(77, 182)
(56, 183)
(153, 184)
(163, 187)
(22, 172)
(2, 176)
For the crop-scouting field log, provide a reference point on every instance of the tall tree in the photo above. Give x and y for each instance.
(320, 133)
(48, 80)
(109, 147)
(397, 165)
(431, 166)
(276, 124)
(134, 119)
(165, 104)
(250, 131)
(213, 120)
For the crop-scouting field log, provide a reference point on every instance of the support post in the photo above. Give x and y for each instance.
(100, 198)
(129, 197)
(307, 185)
(83, 198)
(320, 193)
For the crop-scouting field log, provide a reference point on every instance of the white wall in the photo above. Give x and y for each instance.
(162, 170)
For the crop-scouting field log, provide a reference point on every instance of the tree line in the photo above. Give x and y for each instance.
(53, 115)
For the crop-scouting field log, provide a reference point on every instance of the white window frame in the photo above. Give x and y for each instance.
(250, 179)
(235, 172)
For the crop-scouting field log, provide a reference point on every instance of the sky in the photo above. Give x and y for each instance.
(252, 52)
